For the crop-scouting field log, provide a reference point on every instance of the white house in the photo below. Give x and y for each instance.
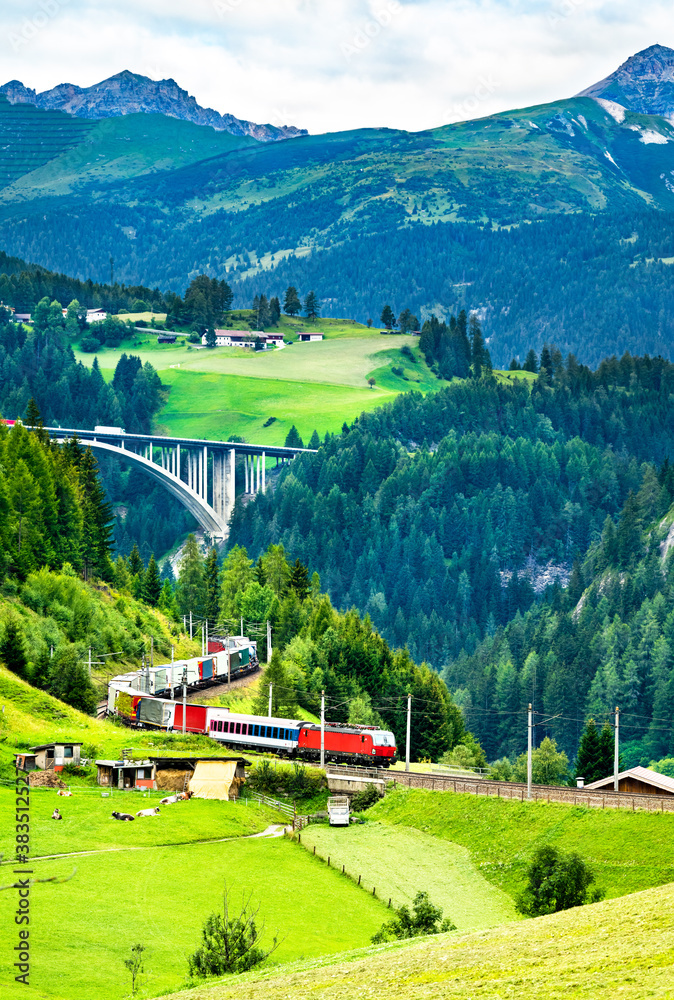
(96, 315)
(308, 337)
(244, 338)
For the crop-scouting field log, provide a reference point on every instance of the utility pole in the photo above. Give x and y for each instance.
(229, 660)
(184, 699)
(242, 628)
(268, 642)
(616, 752)
(206, 627)
(172, 685)
(270, 687)
(90, 661)
(529, 752)
(202, 639)
(409, 730)
(184, 623)
(152, 651)
(322, 728)
(191, 625)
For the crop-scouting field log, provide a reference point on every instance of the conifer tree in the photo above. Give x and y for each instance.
(314, 441)
(151, 583)
(212, 585)
(291, 302)
(606, 752)
(312, 306)
(299, 580)
(283, 697)
(13, 648)
(136, 566)
(191, 590)
(97, 519)
(293, 439)
(588, 759)
(236, 576)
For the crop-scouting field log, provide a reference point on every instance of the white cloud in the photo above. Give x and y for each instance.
(340, 64)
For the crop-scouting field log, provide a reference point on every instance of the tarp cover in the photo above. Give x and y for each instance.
(212, 779)
(151, 710)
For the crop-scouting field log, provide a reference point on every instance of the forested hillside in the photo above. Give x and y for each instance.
(435, 516)
(607, 640)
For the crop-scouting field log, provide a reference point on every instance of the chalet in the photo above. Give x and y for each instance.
(637, 781)
(21, 317)
(166, 338)
(48, 757)
(245, 338)
(96, 315)
(309, 337)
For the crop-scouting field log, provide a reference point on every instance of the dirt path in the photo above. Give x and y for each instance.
(275, 830)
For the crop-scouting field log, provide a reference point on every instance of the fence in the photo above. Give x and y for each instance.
(539, 793)
(358, 879)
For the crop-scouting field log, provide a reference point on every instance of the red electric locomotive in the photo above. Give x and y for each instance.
(366, 745)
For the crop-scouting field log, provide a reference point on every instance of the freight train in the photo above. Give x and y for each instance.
(152, 699)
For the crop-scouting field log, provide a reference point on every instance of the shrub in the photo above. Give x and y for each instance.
(230, 943)
(426, 919)
(556, 881)
(363, 800)
(89, 344)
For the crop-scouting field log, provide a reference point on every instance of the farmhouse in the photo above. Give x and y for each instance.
(166, 338)
(638, 781)
(96, 315)
(245, 338)
(48, 757)
(308, 337)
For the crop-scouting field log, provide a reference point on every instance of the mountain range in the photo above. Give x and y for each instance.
(552, 222)
(130, 93)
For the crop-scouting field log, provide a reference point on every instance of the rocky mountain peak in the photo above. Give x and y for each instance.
(644, 83)
(128, 93)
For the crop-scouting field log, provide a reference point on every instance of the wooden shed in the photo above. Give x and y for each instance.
(637, 781)
(49, 757)
(127, 774)
(177, 774)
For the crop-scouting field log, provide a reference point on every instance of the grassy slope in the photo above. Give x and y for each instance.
(120, 148)
(399, 862)
(229, 391)
(628, 851)
(161, 897)
(620, 948)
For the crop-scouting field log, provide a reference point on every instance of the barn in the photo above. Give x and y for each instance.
(205, 777)
(637, 781)
(48, 757)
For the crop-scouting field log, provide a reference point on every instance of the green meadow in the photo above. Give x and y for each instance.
(399, 862)
(83, 929)
(228, 391)
(627, 850)
(619, 948)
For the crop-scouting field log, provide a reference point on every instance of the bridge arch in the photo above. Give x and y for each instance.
(207, 517)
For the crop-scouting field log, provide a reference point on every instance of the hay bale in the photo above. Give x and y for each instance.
(170, 780)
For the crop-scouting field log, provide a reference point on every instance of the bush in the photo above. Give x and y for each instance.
(194, 338)
(426, 919)
(363, 800)
(89, 344)
(297, 781)
(556, 881)
(230, 944)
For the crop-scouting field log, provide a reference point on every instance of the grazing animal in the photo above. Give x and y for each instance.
(148, 812)
(123, 816)
(56, 814)
(63, 791)
(185, 796)
(168, 800)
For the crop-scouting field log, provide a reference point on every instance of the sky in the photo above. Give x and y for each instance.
(329, 65)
